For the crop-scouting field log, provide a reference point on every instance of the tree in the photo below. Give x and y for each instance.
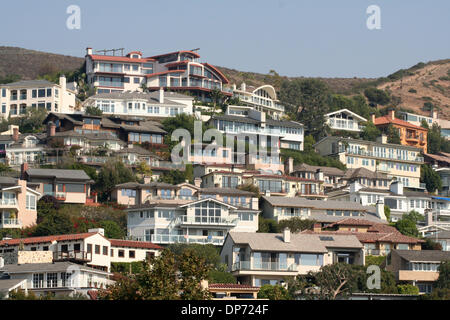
(93, 111)
(435, 142)
(429, 244)
(217, 276)
(407, 227)
(143, 169)
(217, 98)
(250, 188)
(296, 224)
(370, 132)
(31, 121)
(47, 204)
(310, 96)
(387, 212)
(275, 292)
(309, 143)
(267, 225)
(392, 135)
(112, 229)
(431, 178)
(377, 96)
(208, 252)
(111, 174)
(166, 277)
(443, 281)
(408, 289)
(54, 223)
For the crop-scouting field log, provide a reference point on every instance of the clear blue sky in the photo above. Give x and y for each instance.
(323, 38)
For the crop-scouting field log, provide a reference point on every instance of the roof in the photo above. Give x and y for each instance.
(315, 204)
(232, 286)
(346, 111)
(137, 185)
(331, 171)
(45, 267)
(364, 173)
(151, 97)
(424, 255)
(119, 58)
(47, 239)
(134, 244)
(225, 191)
(59, 174)
(30, 83)
(181, 51)
(270, 122)
(8, 284)
(353, 222)
(299, 242)
(388, 120)
(367, 142)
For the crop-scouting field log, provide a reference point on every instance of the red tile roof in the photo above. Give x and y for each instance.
(134, 244)
(387, 120)
(47, 239)
(232, 286)
(353, 222)
(118, 59)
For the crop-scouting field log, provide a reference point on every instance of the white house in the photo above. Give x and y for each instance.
(345, 120)
(159, 104)
(17, 97)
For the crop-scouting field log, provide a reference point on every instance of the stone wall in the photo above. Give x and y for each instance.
(26, 257)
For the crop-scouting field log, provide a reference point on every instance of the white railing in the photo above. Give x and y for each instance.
(168, 239)
(264, 266)
(10, 223)
(183, 220)
(8, 202)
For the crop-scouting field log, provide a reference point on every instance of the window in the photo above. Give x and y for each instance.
(121, 253)
(97, 249)
(131, 254)
(72, 187)
(112, 253)
(136, 80)
(105, 250)
(65, 277)
(41, 93)
(38, 280)
(52, 280)
(31, 202)
(89, 248)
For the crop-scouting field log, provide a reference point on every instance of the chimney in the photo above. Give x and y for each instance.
(429, 218)
(234, 87)
(372, 117)
(355, 187)
(243, 86)
(396, 187)
(98, 230)
(391, 114)
(267, 193)
(51, 129)
(255, 204)
(198, 182)
(382, 138)
(289, 165)
(319, 175)
(2, 262)
(380, 210)
(286, 235)
(434, 113)
(15, 134)
(161, 95)
(88, 51)
(23, 169)
(317, 227)
(147, 180)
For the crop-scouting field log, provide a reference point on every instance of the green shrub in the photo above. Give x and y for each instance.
(375, 260)
(407, 289)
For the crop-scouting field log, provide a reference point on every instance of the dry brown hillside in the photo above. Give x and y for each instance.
(429, 83)
(30, 64)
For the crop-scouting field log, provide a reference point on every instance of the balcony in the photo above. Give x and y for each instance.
(409, 275)
(80, 256)
(10, 223)
(264, 266)
(169, 239)
(378, 155)
(210, 221)
(8, 203)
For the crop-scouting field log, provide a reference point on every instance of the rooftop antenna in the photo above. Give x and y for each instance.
(104, 51)
(193, 50)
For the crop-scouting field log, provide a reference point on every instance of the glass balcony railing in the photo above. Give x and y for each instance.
(6, 222)
(379, 155)
(183, 220)
(264, 266)
(168, 239)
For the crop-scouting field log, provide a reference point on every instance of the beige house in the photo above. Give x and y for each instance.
(399, 162)
(419, 268)
(67, 186)
(257, 259)
(17, 97)
(18, 204)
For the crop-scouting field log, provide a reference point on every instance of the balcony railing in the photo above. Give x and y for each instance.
(10, 223)
(168, 239)
(72, 255)
(264, 266)
(378, 155)
(8, 202)
(186, 220)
